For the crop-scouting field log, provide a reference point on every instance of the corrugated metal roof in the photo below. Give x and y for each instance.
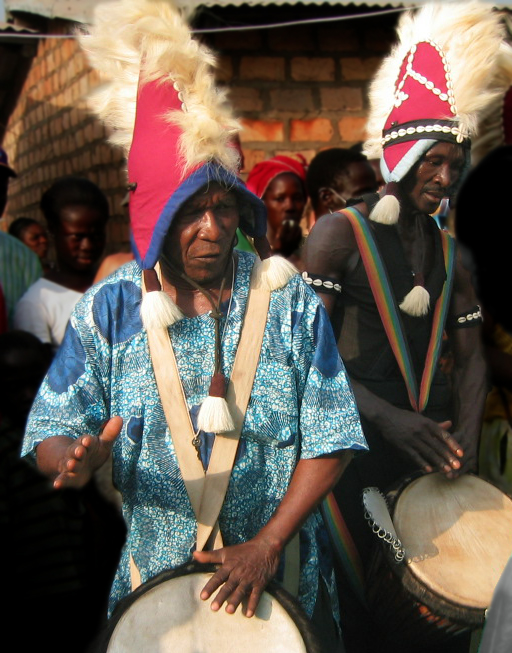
(82, 10)
(8, 28)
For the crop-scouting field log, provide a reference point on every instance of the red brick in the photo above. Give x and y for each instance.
(292, 100)
(307, 154)
(345, 98)
(263, 68)
(354, 68)
(291, 38)
(244, 98)
(262, 130)
(352, 129)
(224, 71)
(312, 69)
(318, 129)
(338, 39)
(251, 158)
(248, 40)
(379, 39)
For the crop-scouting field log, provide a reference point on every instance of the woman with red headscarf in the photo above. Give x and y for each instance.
(280, 183)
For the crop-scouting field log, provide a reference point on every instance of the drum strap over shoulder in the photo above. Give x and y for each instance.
(390, 315)
(207, 491)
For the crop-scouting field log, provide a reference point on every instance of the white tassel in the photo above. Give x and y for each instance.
(386, 211)
(273, 273)
(214, 416)
(158, 311)
(417, 302)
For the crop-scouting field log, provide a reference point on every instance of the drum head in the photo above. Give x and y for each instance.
(166, 615)
(457, 535)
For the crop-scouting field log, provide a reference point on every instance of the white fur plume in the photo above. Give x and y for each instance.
(470, 35)
(491, 132)
(416, 302)
(158, 311)
(150, 37)
(386, 211)
(273, 273)
(214, 416)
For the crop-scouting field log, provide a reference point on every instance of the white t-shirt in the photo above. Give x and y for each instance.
(44, 310)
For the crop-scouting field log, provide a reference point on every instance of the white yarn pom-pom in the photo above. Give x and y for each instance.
(273, 273)
(386, 211)
(214, 416)
(158, 311)
(417, 302)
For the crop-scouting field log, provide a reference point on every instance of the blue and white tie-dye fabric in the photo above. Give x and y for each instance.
(301, 406)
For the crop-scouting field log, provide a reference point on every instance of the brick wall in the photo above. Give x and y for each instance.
(304, 88)
(50, 134)
(299, 89)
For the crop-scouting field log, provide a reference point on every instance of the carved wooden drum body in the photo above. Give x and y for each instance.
(457, 538)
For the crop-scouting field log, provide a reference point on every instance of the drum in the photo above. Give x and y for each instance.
(457, 539)
(166, 615)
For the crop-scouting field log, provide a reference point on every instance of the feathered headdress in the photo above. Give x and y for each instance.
(177, 130)
(495, 124)
(434, 86)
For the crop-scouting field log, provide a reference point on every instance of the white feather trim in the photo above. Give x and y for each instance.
(158, 311)
(470, 35)
(214, 416)
(416, 302)
(150, 36)
(386, 211)
(273, 273)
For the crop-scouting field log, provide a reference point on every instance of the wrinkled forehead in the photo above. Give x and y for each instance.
(206, 196)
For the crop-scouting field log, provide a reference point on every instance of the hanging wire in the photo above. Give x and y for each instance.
(240, 28)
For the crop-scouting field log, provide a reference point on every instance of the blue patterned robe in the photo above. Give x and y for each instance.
(301, 406)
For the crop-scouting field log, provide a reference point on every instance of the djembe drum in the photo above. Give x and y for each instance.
(166, 615)
(436, 575)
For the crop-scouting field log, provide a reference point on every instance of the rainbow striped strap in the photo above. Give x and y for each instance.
(386, 305)
(343, 544)
(439, 320)
(389, 313)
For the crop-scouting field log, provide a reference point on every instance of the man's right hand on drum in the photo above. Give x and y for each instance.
(245, 571)
(427, 443)
(71, 462)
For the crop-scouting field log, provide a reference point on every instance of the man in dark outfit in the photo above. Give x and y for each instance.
(392, 282)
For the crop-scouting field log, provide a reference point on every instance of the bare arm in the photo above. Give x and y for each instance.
(70, 462)
(245, 569)
(469, 375)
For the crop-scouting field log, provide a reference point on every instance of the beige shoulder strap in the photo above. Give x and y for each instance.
(207, 491)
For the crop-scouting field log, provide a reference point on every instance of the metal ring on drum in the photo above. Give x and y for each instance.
(165, 615)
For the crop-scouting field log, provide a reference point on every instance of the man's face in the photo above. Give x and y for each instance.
(79, 238)
(434, 176)
(201, 237)
(359, 179)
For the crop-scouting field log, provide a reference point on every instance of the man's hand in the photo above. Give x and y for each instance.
(245, 571)
(427, 443)
(85, 455)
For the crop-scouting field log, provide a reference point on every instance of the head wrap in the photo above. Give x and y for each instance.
(177, 131)
(434, 86)
(265, 172)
